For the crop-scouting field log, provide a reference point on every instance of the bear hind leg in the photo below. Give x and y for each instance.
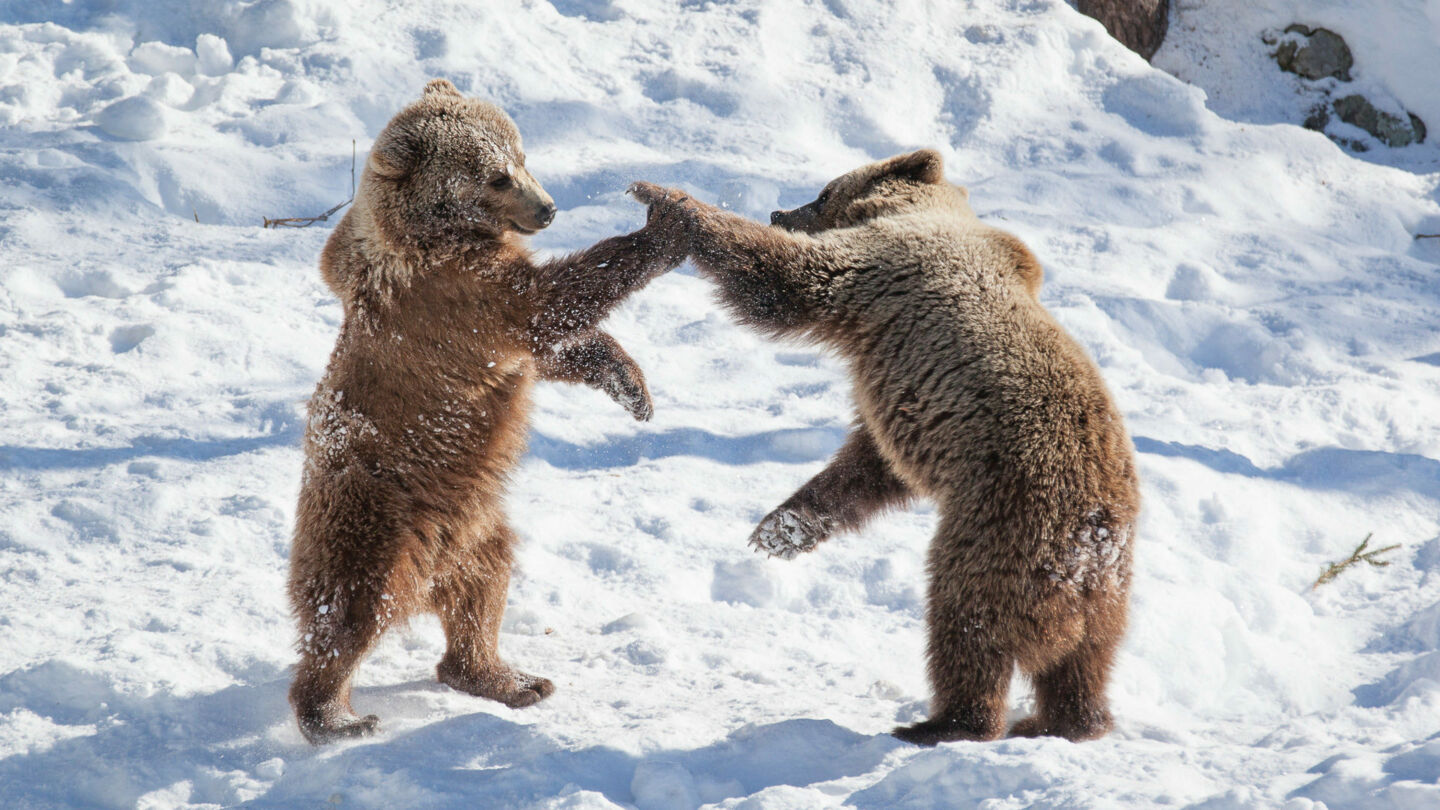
(1070, 695)
(470, 600)
(969, 676)
(337, 632)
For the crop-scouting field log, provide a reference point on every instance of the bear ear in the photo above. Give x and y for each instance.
(394, 154)
(923, 166)
(441, 87)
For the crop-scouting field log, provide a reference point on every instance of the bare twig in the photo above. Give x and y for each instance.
(1357, 556)
(1427, 236)
(305, 222)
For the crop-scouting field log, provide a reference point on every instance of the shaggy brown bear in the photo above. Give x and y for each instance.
(968, 393)
(422, 411)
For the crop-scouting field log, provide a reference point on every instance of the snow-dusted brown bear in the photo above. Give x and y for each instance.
(422, 412)
(969, 394)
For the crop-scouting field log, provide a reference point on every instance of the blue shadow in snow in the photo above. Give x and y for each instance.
(278, 419)
(13, 457)
(139, 744)
(1223, 461)
(481, 760)
(792, 445)
(1328, 468)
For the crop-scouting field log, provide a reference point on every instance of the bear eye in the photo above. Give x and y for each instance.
(823, 198)
(502, 182)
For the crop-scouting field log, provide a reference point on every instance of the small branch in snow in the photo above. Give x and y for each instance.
(1427, 236)
(305, 222)
(1357, 556)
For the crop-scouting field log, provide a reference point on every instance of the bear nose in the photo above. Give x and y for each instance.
(547, 214)
(776, 216)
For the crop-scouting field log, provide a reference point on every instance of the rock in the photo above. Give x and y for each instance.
(1319, 53)
(1324, 54)
(1140, 25)
(1388, 129)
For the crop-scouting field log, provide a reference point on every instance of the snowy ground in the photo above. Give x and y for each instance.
(1253, 294)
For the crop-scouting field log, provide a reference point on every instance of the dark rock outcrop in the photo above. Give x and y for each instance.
(1388, 129)
(1323, 54)
(1140, 25)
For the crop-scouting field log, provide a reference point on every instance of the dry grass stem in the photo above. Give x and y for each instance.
(305, 222)
(1356, 557)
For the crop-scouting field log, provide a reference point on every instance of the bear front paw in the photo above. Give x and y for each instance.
(669, 221)
(630, 392)
(787, 531)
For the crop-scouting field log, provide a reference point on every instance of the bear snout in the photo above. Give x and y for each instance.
(546, 214)
(800, 219)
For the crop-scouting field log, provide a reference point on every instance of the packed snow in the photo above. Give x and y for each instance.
(1253, 293)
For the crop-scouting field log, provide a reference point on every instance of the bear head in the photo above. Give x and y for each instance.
(450, 168)
(891, 186)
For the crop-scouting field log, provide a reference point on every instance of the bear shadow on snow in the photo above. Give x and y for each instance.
(475, 757)
(481, 757)
(117, 763)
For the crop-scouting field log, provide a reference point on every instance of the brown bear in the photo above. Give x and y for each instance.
(968, 393)
(422, 412)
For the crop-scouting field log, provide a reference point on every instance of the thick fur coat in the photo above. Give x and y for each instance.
(422, 412)
(969, 394)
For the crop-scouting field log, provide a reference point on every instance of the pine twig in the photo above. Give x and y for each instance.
(1357, 556)
(305, 222)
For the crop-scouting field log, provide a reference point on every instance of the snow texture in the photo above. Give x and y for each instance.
(1253, 294)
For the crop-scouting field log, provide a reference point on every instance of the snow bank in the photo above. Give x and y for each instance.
(1253, 294)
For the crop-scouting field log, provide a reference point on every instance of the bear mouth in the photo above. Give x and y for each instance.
(524, 231)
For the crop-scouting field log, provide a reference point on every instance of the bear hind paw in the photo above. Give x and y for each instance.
(937, 730)
(511, 687)
(322, 731)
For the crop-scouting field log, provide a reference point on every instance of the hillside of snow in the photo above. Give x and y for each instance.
(1253, 293)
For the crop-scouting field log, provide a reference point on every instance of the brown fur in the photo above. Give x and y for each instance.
(422, 411)
(969, 394)
(1140, 25)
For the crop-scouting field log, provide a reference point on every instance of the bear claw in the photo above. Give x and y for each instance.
(786, 532)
